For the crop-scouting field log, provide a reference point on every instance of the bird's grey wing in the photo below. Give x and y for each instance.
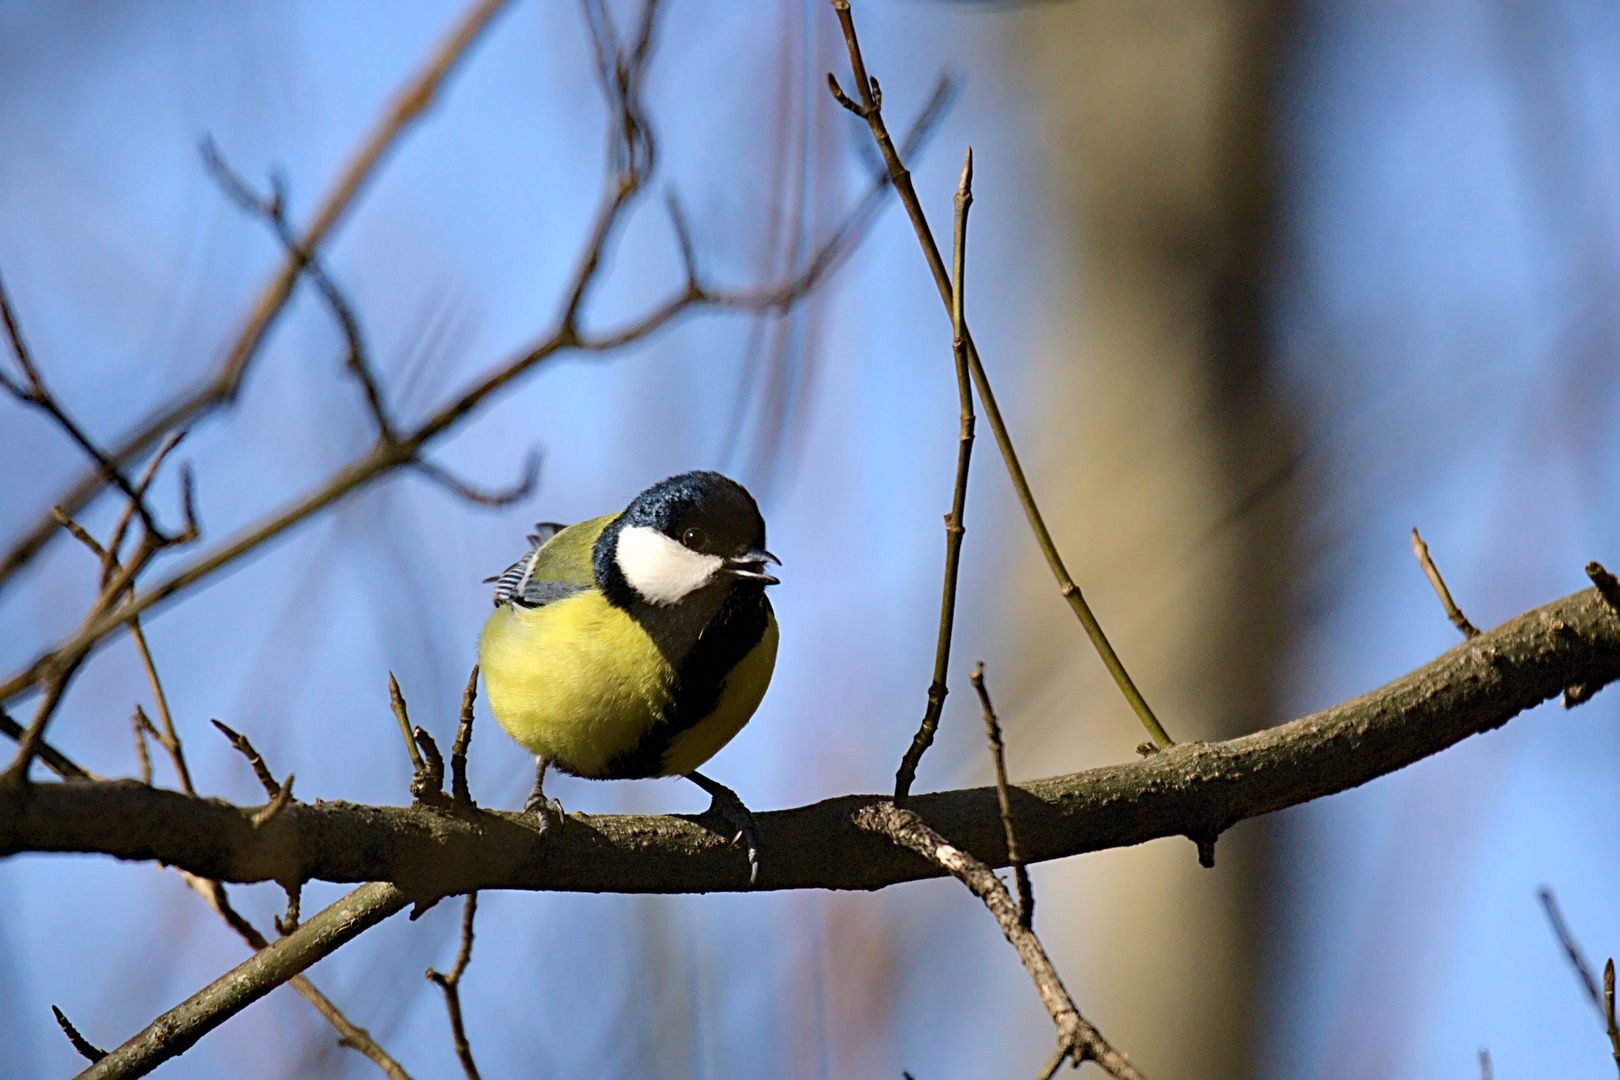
(517, 584)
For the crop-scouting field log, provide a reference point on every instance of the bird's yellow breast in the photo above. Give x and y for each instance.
(579, 682)
(575, 682)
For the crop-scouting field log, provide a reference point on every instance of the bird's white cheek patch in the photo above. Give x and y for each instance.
(660, 569)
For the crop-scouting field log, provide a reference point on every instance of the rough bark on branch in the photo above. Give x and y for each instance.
(1195, 790)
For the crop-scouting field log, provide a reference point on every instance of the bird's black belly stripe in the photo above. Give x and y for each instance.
(733, 633)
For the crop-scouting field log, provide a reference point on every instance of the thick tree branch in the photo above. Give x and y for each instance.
(177, 1030)
(1195, 790)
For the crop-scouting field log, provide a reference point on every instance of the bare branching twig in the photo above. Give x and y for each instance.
(870, 108)
(412, 100)
(1078, 1040)
(451, 986)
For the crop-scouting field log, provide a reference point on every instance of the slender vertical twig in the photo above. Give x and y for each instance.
(954, 527)
(451, 985)
(1608, 1011)
(998, 757)
(869, 108)
(397, 701)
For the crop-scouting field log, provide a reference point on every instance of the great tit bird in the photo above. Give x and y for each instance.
(637, 644)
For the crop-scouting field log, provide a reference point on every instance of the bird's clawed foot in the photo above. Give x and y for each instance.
(549, 811)
(725, 803)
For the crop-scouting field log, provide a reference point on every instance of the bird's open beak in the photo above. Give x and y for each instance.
(752, 566)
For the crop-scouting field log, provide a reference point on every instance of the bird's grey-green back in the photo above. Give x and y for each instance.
(557, 565)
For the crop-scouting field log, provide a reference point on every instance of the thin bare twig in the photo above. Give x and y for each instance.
(1432, 572)
(36, 395)
(496, 499)
(396, 701)
(451, 985)
(954, 527)
(1015, 857)
(1078, 1040)
(167, 738)
(272, 209)
(413, 100)
(1485, 1070)
(1572, 950)
(870, 108)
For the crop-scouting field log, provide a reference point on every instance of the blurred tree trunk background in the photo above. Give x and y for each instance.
(1162, 456)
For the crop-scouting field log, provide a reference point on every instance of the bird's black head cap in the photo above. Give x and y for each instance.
(702, 510)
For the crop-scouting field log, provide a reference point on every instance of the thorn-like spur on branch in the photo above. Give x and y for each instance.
(1609, 588)
(412, 100)
(288, 922)
(87, 1049)
(1078, 1040)
(261, 771)
(496, 499)
(141, 725)
(1197, 789)
(429, 785)
(177, 1030)
(1432, 572)
(998, 758)
(451, 986)
(872, 110)
(267, 813)
(955, 529)
(459, 791)
(280, 794)
(1485, 1071)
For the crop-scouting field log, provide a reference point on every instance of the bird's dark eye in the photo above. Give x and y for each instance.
(695, 538)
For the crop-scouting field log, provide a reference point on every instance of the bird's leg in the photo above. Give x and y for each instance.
(549, 811)
(724, 802)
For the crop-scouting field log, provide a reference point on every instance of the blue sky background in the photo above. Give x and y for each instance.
(1445, 317)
